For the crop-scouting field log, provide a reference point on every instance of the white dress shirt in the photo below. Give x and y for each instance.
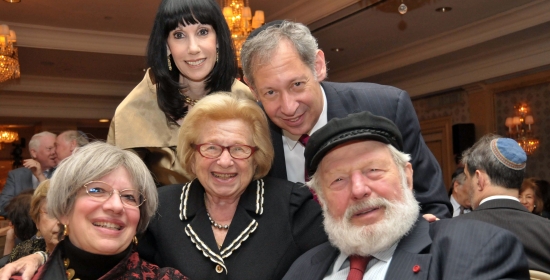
(376, 269)
(499, 197)
(294, 151)
(456, 207)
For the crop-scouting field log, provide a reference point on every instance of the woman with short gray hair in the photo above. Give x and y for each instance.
(102, 196)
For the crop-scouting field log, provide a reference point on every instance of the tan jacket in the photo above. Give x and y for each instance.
(140, 125)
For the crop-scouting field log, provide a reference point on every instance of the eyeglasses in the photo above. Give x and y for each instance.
(209, 150)
(101, 191)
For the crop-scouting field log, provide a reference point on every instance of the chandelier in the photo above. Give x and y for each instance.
(9, 59)
(8, 136)
(238, 15)
(519, 128)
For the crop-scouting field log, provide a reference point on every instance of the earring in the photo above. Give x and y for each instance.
(169, 63)
(135, 240)
(217, 55)
(65, 230)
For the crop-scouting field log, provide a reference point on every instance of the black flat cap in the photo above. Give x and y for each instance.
(356, 126)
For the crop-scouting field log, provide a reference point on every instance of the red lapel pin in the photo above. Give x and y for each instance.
(416, 268)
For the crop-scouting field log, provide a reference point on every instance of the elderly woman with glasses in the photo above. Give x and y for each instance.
(103, 196)
(230, 221)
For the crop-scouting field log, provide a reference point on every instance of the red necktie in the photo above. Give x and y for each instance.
(357, 266)
(303, 139)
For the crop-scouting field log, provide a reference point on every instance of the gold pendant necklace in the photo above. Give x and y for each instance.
(187, 100)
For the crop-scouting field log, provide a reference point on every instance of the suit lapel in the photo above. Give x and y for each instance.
(409, 256)
(278, 169)
(321, 262)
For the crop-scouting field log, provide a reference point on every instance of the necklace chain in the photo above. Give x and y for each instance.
(188, 100)
(226, 227)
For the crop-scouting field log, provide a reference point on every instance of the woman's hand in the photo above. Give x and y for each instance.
(429, 217)
(26, 266)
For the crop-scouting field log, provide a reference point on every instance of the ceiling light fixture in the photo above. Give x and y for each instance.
(443, 9)
(9, 59)
(12, 1)
(238, 15)
(337, 49)
(402, 6)
(519, 128)
(8, 136)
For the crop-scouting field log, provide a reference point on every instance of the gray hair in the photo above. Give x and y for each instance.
(34, 143)
(259, 50)
(459, 179)
(93, 162)
(399, 158)
(480, 157)
(77, 135)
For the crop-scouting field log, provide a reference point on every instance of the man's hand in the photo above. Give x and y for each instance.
(35, 168)
(26, 266)
(429, 217)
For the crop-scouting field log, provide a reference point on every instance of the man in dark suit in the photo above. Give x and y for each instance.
(364, 183)
(35, 170)
(494, 169)
(284, 68)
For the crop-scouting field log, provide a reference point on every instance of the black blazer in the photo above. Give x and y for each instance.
(394, 104)
(275, 222)
(532, 230)
(446, 249)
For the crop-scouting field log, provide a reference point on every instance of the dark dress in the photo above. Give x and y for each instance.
(27, 247)
(125, 265)
(275, 222)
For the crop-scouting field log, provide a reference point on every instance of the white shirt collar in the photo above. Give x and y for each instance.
(342, 261)
(498, 197)
(291, 140)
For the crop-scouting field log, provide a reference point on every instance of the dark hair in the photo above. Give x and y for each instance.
(18, 213)
(170, 14)
(544, 188)
(480, 157)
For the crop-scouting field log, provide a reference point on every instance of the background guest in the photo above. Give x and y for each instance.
(495, 168)
(67, 141)
(20, 219)
(47, 227)
(191, 54)
(459, 194)
(531, 197)
(230, 222)
(37, 169)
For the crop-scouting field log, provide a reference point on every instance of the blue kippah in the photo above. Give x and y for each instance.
(509, 153)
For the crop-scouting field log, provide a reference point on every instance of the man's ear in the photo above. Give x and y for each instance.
(482, 180)
(33, 153)
(320, 66)
(409, 174)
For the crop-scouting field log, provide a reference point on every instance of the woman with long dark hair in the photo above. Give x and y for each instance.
(190, 54)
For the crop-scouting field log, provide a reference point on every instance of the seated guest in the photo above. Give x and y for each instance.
(494, 169)
(67, 142)
(229, 222)
(103, 196)
(459, 194)
(36, 170)
(364, 182)
(48, 228)
(530, 196)
(20, 219)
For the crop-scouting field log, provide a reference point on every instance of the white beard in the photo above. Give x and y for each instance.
(367, 240)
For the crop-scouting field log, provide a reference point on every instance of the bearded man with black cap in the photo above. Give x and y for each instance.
(364, 183)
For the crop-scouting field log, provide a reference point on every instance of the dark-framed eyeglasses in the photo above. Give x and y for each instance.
(102, 191)
(209, 150)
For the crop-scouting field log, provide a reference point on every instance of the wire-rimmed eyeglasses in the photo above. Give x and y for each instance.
(209, 150)
(102, 191)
